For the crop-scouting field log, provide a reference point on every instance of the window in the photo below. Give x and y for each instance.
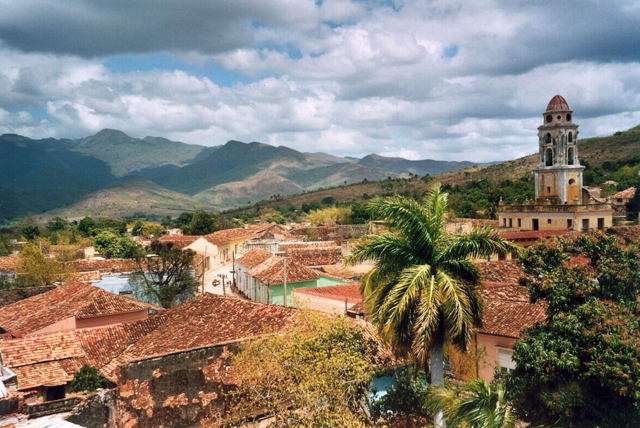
(519, 222)
(559, 117)
(510, 222)
(504, 222)
(535, 224)
(585, 224)
(569, 224)
(600, 223)
(505, 358)
(548, 189)
(572, 181)
(570, 137)
(569, 118)
(548, 221)
(547, 138)
(549, 118)
(548, 157)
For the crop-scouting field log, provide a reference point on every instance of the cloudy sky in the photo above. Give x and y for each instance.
(439, 79)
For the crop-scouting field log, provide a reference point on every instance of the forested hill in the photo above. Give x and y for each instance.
(69, 175)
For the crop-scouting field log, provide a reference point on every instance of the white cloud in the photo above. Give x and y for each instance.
(445, 79)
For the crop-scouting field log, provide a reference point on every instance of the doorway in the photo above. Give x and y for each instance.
(535, 223)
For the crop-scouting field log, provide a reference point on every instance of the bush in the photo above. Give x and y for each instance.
(88, 379)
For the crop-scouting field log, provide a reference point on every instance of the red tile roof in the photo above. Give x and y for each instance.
(179, 241)
(502, 271)
(315, 256)
(533, 234)
(253, 258)
(224, 237)
(558, 103)
(208, 320)
(8, 264)
(628, 234)
(272, 271)
(507, 310)
(52, 359)
(341, 292)
(70, 300)
(625, 194)
(106, 265)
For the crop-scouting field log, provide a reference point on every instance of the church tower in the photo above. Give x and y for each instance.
(558, 178)
(561, 202)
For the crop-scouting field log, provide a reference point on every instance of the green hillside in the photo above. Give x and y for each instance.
(125, 199)
(127, 155)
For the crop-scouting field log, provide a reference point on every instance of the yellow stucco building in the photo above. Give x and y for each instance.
(560, 202)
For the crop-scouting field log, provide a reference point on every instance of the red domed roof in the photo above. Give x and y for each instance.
(558, 103)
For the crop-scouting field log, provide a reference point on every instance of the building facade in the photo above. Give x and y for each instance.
(561, 201)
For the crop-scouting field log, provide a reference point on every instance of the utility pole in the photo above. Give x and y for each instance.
(285, 281)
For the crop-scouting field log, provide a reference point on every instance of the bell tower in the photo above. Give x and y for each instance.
(558, 178)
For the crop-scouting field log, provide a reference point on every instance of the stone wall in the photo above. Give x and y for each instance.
(179, 389)
(96, 411)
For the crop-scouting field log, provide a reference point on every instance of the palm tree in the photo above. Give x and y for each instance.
(421, 293)
(476, 404)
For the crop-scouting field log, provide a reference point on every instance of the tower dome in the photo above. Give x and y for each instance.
(558, 103)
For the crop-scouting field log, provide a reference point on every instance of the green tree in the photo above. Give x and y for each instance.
(114, 246)
(86, 226)
(164, 275)
(316, 374)
(202, 223)
(422, 293)
(147, 229)
(57, 224)
(475, 404)
(183, 219)
(88, 379)
(36, 268)
(580, 368)
(405, 403)
(30, 232)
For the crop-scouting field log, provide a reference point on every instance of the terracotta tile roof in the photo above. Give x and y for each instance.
(502, 271)
(271, 271)
(8, 264)
(12, 295)
(179, 241)
(106, 265)
(625, 194)
(315, 256)
(253, 258)
(558, 103)
(209, 320)
(628, 234)
(52, 359)
(348, 272)
(223, 237)
(341, 292)
(507, 310)
(533, 234)
(70, 300)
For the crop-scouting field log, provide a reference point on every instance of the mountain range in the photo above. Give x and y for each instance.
(113, 174)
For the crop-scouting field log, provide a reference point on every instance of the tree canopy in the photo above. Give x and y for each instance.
(581, 367)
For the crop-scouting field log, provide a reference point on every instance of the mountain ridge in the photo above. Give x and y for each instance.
(48, 174)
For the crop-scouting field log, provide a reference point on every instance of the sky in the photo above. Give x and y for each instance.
(438, 79)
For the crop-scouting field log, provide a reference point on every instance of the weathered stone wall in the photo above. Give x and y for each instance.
(96, 411)
(174, 390)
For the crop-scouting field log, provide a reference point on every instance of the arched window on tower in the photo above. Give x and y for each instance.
(547, 138)
(570, 155)
(548, 157)
(570, 137)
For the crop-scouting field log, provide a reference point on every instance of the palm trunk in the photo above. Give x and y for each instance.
(436, 370)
